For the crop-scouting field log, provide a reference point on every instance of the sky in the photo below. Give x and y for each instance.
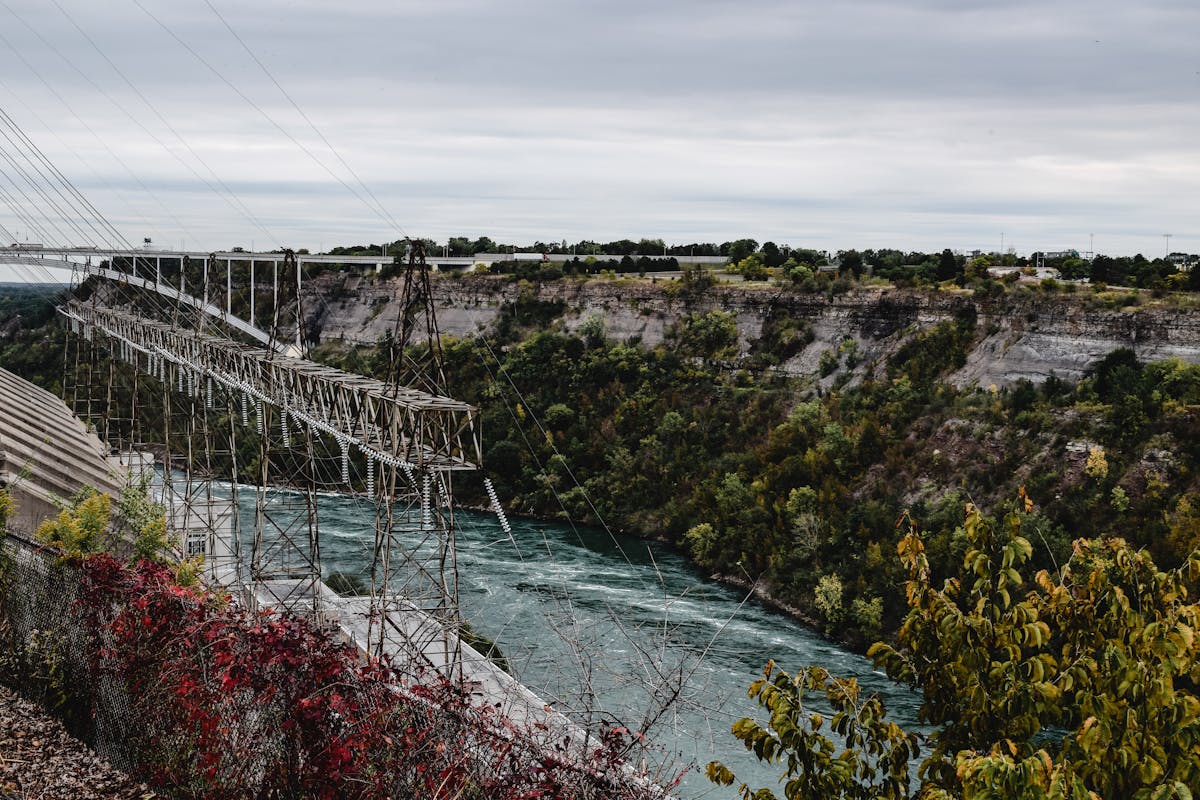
(914, 124)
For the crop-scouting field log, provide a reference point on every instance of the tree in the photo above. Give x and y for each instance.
(1076, 684)
(651, 247)
(771, 255)
(852, 262)
(739, 249)
(948, 266)
(710, 336)
(751, 268)
(460, 246)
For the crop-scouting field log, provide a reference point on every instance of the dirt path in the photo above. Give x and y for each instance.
(41, 761)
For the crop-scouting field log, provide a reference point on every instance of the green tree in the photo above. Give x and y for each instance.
(709, 336)
(771, 255)
(739, 249)
(948, 266)
(1080, 683)
(751, 268)
(851, 262)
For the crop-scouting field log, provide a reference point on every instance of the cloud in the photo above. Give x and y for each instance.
(931, 122)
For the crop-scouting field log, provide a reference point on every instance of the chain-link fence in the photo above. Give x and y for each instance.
(43, 646)
(203, 699)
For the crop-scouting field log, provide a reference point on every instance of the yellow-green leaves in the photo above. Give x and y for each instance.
(79, 529)
(7, 507)
(1075, 685)
(870, 762)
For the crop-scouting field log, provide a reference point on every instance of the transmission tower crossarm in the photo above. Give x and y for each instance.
(406, 428)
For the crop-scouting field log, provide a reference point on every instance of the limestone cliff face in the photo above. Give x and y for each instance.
(1023, 334)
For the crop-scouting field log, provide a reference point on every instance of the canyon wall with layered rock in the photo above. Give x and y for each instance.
(1026, 333)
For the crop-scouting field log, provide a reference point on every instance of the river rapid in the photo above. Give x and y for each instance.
(605, 627)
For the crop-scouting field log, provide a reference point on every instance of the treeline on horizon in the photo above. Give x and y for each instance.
(760, 261)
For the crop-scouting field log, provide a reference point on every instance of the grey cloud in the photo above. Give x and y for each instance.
(571, 118)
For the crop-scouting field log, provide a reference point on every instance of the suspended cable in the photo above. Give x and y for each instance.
(67, 219)
(275, 124)
(237, 204)
(47, 217)
(104, 224)
(143, 220)
(549, 439)
(83, 123)
(378, 206)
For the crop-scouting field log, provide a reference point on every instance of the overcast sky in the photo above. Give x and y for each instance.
(917, 124)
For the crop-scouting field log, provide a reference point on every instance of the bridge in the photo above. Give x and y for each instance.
(192, 367)
(171, 346)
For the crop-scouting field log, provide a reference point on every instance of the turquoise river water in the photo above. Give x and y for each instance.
(611, 625)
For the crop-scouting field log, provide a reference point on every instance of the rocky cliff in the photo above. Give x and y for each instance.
(1024, 333)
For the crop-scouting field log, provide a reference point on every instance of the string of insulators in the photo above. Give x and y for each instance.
(284, 431)
(499, 509)
(245, 411)
(345, 459)
(427, 502)
(370, 476)
(179, 379)
(258, 415)
(209, 393)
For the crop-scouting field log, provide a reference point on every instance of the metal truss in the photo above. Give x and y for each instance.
(389, 424)
(411, 444)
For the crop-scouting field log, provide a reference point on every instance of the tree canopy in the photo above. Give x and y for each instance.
(1078, 682)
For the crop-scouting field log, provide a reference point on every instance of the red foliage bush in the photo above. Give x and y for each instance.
(235, 704)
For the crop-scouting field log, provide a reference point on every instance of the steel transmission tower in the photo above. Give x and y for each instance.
(290, 429)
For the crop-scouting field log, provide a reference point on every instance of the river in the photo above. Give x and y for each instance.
(580, 613)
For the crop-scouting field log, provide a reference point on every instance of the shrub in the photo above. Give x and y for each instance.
(230, 703)
(7, 507)
(79, 528)
(1074, 684)
(828, 598)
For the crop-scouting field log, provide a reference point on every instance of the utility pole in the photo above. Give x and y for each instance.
(1167, 236)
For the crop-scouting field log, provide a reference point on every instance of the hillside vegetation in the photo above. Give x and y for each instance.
(795, 484)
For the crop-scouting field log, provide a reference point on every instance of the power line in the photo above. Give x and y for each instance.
(378, 207)
(236, 203)
(62, 179)
(274, 123)
(144, 221)
(37, 74)
(229, 195)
